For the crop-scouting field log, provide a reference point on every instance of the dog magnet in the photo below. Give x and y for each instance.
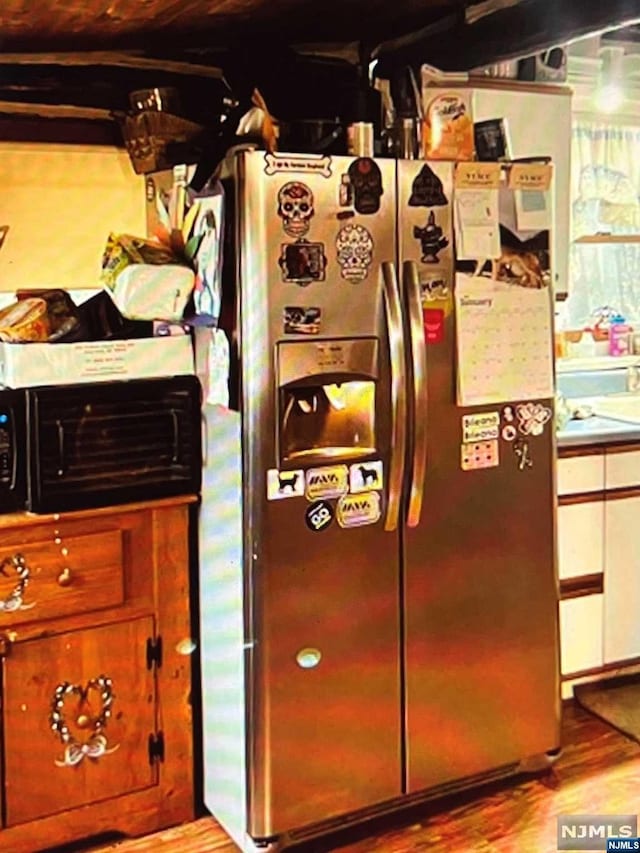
(302, 262)
(365, 476)
(284, 484)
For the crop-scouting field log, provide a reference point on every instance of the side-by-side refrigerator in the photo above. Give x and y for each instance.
(378, 585)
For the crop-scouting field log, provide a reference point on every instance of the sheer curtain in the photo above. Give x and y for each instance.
(605, 191)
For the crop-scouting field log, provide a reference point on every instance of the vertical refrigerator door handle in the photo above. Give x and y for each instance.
(411, 290)
(393, 314)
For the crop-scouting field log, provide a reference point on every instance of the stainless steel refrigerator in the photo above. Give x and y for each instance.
(379, 619)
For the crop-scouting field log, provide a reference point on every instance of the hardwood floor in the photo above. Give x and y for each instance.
(597, 773)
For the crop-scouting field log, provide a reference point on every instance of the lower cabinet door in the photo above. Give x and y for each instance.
(78, 711)
(622, 580)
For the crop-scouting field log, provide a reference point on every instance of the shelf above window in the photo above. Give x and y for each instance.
(607, 238)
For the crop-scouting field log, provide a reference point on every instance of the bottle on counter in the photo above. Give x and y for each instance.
(619, 336)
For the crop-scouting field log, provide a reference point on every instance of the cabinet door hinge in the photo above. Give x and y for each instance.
(156, 747)
(154, 652)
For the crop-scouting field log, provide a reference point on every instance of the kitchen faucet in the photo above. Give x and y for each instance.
(633, 378)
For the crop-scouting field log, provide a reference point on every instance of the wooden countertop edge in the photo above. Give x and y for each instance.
(26, 519)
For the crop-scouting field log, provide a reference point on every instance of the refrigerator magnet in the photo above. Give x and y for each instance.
(329, 482)
(431, 238)
(433, 322)
(434, 287)
(365, 476)
(284, 484)
(295, 208)
(354, 245)
(532, 418)
(302, 262)
(479, 454)
(318, 516)
(523, 455)
(358, 510)
(365, 179)
(482, 426)
(301, 320)
(427, 189)
(312, 164)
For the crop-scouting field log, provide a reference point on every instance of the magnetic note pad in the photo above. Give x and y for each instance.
(504, 341)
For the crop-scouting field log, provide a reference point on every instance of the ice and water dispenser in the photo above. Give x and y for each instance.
(326, 399)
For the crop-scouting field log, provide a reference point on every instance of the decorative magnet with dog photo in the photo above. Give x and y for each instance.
(302, 262)
(329, 482)
(365, 476)
(301, 320)
(284, 484)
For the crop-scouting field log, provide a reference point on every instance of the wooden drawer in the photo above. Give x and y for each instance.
(60, 576)
(578, 474)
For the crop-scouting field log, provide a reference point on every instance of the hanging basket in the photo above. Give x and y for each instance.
(159, 140)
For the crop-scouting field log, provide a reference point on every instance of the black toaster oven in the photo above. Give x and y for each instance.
(68, 447)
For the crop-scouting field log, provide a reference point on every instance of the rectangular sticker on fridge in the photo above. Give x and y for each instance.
(284, 484)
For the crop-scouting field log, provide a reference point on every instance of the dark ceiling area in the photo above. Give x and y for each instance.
(309, 58)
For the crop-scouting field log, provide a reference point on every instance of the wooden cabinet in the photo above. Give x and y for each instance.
(96, 674)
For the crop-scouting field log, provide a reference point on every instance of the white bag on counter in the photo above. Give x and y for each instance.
(153, 292)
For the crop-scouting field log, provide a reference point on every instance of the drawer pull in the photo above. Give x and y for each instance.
(65, 577)
(96, 745)
(16, 566)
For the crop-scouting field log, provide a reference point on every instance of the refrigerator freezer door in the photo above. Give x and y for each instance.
(321, 572)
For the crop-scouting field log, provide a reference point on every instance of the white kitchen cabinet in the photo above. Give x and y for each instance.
(622, 469)
(581, 634)
(581, 539)
(538, 120)
(580, 474)
(622, 579)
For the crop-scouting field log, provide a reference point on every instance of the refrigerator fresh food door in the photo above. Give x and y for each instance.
(322, 427)
(480, 592)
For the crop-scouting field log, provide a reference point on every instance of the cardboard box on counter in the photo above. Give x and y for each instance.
(30, 365)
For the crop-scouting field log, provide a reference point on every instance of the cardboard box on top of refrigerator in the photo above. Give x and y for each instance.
(28, 365)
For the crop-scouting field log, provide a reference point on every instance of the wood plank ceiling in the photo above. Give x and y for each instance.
(26, 25)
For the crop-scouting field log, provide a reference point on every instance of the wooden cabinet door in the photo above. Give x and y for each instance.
(45, 776)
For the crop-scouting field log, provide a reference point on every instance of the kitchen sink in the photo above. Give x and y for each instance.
(621, 407)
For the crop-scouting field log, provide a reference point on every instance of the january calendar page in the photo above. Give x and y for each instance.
(504, 341)
(502, 286)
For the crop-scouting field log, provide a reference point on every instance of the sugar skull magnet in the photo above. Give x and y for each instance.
(355, 252)
(295, 208)
(366, 181)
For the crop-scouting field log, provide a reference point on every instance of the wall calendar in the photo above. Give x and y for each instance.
(504, 341)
